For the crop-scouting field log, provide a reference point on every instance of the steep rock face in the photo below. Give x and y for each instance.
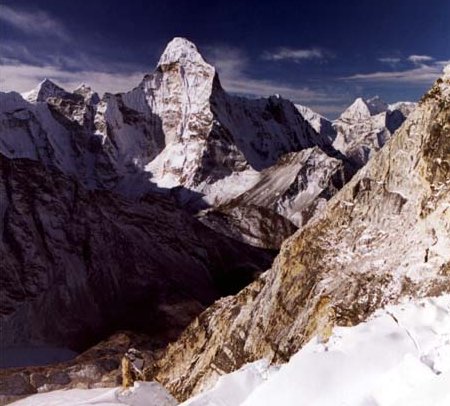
(383, 236)
(212, 137)
(58, 134)
(96, 262)
(365, 126)
(299, 184)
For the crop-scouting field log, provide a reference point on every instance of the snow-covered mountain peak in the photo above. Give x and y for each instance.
(180, 50)
(83, 88)
(44, 90)
(312, 116)
(361, 109)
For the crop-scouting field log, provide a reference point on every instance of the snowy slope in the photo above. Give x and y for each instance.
(142, 394)
(399, 357)
(289, 193)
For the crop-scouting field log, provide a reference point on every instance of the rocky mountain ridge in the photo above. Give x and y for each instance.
(98, 263)
(382, 237)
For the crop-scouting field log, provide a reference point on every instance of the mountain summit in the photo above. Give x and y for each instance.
(44, 90)
(363, 109)
(180, 50)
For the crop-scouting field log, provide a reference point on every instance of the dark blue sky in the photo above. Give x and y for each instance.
(319, 53)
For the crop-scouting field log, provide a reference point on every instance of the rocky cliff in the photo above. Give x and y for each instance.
(385, 235)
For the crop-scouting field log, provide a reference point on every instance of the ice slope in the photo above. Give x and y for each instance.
(399, 357)
(232, 389)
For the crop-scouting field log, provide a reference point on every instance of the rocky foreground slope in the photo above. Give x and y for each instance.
(384, 236)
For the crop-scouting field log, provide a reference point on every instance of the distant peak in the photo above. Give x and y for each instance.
(364, 108)
(82, 86)
(43, 90)
(182, 51)
(47, 83)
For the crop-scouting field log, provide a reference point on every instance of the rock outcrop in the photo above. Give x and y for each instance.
(385, 235)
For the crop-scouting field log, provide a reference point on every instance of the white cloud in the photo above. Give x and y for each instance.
(422, 74)
(36, 22)
(295, 55)
(21, 69)
(419, 59)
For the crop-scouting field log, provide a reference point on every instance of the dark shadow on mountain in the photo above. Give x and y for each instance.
(92, 262)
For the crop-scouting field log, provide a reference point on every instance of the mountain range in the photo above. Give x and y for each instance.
(137, 211)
